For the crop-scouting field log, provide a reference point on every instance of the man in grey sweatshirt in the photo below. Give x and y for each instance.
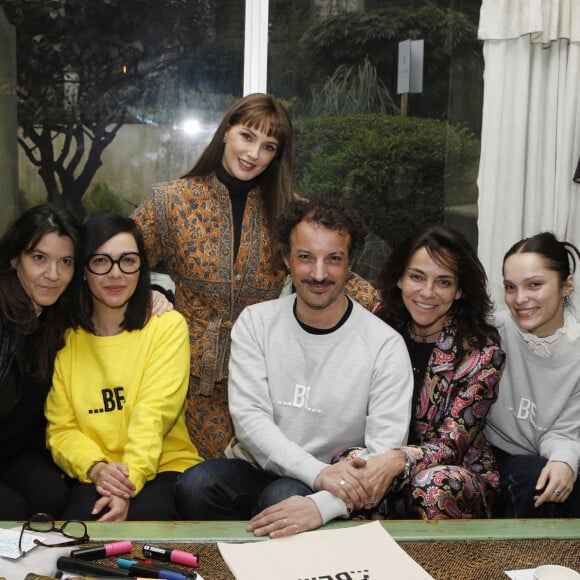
(311, 374)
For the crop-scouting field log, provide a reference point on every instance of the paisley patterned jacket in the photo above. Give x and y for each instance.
(454, 400)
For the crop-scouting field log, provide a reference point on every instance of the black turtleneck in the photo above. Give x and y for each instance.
(238, 190)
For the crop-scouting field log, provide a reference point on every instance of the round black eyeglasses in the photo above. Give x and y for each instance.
(101, 264)
(44, 523)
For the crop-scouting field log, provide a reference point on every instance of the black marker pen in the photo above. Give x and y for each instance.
(75, 565)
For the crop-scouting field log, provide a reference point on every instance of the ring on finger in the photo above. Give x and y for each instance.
(297, 530)
(557, 493)
(373, 501)
(285, 522)
(342, 483)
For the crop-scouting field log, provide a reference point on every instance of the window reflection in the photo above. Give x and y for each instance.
(105, 90)
(341, 79)
(128, 97)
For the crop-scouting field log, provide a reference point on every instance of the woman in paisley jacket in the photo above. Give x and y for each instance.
(433, 291)
(212, 230)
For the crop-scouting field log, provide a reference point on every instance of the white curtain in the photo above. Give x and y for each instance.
(531, 128)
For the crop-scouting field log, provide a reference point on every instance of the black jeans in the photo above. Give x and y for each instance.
(31, 483)
(154, 502)
(519, 475)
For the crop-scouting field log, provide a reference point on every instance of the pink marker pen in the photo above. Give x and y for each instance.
(102, 551)
(177, 556)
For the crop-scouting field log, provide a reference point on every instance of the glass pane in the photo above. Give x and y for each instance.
(8, 145)
(114, 96)
(335, 62)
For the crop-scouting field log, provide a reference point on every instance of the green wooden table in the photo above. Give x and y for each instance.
(447, 549)
(403, 530)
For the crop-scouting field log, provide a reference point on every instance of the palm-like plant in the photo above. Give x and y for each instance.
(353, 90)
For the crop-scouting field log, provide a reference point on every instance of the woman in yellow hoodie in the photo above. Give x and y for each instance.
(115, 412)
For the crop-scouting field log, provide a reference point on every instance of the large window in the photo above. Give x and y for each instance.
(114, 96)
(336, 63)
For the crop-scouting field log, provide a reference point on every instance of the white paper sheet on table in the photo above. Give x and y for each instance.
(39, 559)
(363, 552)
(9, 540)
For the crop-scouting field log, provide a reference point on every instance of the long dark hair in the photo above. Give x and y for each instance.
(470, 313)
(17, 311)
(265, 113)
(97, 230)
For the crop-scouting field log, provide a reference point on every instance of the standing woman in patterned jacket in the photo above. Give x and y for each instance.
(212, 229)
(433, 291)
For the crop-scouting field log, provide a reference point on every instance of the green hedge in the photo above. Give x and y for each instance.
(394, 170)
(102, 199)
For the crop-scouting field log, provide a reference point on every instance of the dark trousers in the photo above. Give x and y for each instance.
(30, 484)
(231, 489)
(519, 475)
(154, 502)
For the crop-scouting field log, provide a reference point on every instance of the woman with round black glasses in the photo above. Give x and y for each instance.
(116, 423)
